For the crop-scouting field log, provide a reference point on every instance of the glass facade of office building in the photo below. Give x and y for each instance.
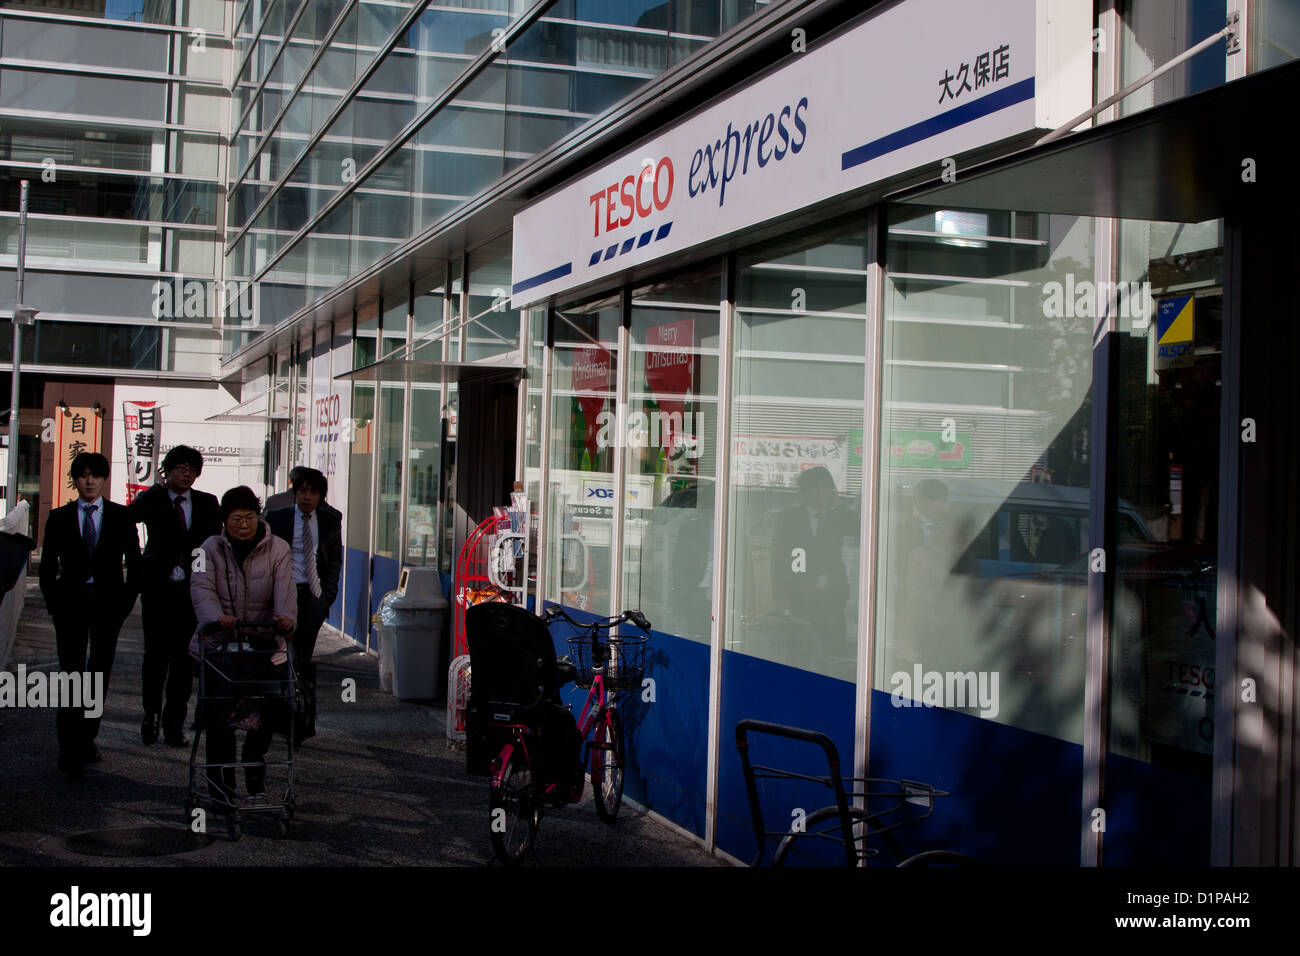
(116, 114)
(358, 126)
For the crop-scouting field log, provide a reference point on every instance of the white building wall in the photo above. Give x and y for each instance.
(232, 453)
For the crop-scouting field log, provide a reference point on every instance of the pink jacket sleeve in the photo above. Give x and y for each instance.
(286, 595)
(203, 590)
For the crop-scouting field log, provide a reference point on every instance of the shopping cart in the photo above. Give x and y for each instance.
(247, 682)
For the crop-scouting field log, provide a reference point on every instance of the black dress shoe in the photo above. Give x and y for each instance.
(72, 767)
(149, 730)
(176, 739)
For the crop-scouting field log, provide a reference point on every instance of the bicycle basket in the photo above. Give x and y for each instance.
(622, 657)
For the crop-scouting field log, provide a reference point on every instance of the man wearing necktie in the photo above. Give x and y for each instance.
(178, 519)
(87, 541)
(315, 536)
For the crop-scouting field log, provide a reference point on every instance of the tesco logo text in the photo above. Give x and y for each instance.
(758, 136)
(635, 197)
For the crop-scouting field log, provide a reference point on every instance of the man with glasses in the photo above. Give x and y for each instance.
(177, 520)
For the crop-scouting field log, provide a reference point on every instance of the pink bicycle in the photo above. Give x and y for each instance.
(521, 736)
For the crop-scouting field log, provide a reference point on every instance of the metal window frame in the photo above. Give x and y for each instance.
(721, 525)
(544, 478)
(1233, 606)
(623, 339)
(877, 240)
(105, 23)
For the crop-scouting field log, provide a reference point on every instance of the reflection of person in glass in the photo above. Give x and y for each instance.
(935, 565)
(809, 579)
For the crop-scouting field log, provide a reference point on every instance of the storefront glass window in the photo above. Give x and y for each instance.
(670, 456)
(1156, 31)
(392, 395)
(1162, 666)
(362, 447)
(985, 473)
(424, 459)
(1275, 27)
(581, 503)
(796, 453)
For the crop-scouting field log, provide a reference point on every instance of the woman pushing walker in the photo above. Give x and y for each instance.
(245, 575)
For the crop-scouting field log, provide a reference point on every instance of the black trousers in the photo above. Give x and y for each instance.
(221, 749)
(311, 615)
(168, 619)
(248, 672)
(86, 619)
(312, 612)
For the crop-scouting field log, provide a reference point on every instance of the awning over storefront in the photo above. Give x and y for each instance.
(416, 372)
(260, 408)
(1197, 158)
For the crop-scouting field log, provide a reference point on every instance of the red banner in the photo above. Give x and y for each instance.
(141, 430)
(592, 374)
(669, 372)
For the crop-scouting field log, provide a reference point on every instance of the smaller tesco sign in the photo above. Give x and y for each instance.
(890, 95)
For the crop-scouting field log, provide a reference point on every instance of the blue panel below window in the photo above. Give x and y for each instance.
(1015, 794)
(1155, 816)
(387, 571)
(764, 690)
(356, 594)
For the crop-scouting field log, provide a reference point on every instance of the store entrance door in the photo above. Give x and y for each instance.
(485, 451)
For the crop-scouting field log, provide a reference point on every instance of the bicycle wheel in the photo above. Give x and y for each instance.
(939, 858)
(856, 814)
(514, 812)
(607, 766)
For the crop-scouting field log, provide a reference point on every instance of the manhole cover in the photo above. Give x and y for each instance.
(153, 840)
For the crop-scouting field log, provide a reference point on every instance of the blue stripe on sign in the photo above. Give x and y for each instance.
(541, 278)
(609, 253)
(627, 246)
(1008, 96)
(663, 230)
(645, 238)
(595, 257)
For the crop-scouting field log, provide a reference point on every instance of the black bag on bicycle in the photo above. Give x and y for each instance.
(514, 679)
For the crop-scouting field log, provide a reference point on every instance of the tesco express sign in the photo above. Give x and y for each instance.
(883, 98)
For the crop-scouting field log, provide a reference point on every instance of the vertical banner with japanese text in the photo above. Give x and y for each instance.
(140, 420)
(79, 429)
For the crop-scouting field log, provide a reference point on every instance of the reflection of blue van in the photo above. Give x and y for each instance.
(1017, 527)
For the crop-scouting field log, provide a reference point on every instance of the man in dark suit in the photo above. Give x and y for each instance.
(316, 538)
(285, 499)
(177, 519)
(86, 543)
(809, 579)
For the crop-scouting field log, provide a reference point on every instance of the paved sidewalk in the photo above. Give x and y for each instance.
(379, 784)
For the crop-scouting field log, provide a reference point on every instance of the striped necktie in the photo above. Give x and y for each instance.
(309, 556)
(88, 529)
